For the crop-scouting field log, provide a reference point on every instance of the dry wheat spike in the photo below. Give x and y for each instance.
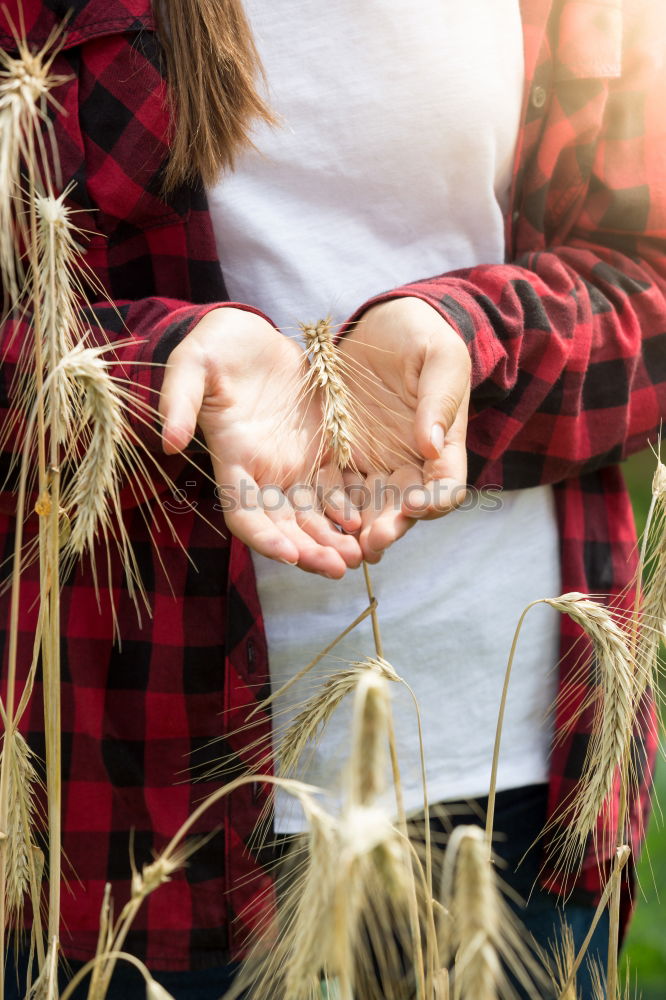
(613, 716)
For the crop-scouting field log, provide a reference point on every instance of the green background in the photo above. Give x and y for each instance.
(645, 951)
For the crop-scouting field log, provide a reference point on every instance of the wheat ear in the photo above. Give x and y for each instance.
(26, 82)
(375, 896)
(484, 933)
(441, 985)
(316, 712)
(327, 376)
(310, 932)
(21, 815)
(96, 478)
(563, 956)
(58, 258)
(647, 627)
(613, 715)
(601, 990)
(651, 620)
(473, 900)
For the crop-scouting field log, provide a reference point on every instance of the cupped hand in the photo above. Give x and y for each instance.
(410, 374)
(241, 382)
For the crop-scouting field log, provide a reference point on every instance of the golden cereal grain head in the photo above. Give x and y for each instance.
(58, 288)
(308, 946)
(651, 616)
(473, 900)
(561, 963)
(307, 727)
(370, 736)
(326, 375)
(23, 876)
(485, 935)
(26, 141)
(613, 716)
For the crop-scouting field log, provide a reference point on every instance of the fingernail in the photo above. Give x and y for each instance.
(437, 437)
(288, 562)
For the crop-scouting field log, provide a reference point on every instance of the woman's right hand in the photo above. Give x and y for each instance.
(241, 381)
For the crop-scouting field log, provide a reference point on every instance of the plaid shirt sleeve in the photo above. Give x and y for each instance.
(568, 338)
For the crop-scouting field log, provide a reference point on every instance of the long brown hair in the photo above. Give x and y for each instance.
(212, 67)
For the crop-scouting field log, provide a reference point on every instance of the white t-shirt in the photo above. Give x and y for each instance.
(393, 162)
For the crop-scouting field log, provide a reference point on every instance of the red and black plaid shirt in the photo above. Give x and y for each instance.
(568, 344)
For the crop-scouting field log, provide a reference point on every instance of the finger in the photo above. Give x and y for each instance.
(313, 556)
(356, 492)
(335, 500)
(371, 489)
(384, 521)
(446, 477)
(314, 523)
(246, 518)
(180, 401)
(442, 388)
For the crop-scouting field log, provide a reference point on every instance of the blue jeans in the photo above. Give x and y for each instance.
(519, 818)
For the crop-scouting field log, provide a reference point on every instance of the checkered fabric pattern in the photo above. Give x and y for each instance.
(568, 345)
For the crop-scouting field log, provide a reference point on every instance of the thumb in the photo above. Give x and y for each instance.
(180, 401)
(442, 389)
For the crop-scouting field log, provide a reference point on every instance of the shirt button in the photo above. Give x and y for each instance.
(516, 216)
(539, 96)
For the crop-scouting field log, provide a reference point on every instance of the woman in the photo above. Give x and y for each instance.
(525, 175)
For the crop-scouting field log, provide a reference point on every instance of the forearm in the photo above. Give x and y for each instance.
(568, 351)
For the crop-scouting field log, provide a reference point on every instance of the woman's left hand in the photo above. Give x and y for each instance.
(410, 379)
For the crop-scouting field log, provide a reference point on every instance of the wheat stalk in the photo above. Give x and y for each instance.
(154, 991)
(159, 871)
(25, 84)
(622, 856)
(339, 427)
